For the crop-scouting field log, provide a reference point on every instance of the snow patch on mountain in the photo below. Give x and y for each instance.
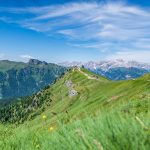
(106, 65)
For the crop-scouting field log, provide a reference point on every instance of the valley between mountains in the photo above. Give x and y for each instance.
(98, 114)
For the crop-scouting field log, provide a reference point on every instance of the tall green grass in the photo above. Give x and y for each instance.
(103, 116)
(106, 132)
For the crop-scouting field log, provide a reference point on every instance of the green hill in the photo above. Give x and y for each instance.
(6, 65)
(80, 111)
(19, 79)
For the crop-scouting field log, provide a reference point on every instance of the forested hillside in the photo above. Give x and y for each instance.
(19, 79)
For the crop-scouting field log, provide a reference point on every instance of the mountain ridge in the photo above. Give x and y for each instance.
(106, 65)
(23, 79)
(77, 89)
(114, 70)
(80, 110)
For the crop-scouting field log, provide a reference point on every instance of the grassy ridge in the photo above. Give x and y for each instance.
(104, 115)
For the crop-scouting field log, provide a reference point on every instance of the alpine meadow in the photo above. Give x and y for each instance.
(74, 75)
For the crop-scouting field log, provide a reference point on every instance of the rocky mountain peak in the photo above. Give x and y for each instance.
(36, 62)
(108, 64)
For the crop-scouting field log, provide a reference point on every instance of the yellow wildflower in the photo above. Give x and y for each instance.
(51, 129)
(44, 117)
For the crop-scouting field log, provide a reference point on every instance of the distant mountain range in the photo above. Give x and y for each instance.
(114, 70)
(19, 79)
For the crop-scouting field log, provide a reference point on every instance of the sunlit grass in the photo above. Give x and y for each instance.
(105, 115)
(110, 132)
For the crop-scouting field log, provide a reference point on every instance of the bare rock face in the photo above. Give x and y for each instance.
(36, 62)
(69, 84)
(72, 91)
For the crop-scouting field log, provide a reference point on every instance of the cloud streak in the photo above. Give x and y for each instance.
(110, 26)
(2, 56)
(141, 56)
(26, 56)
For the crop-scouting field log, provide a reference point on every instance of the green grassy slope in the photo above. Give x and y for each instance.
(18, 79)
(94, 95)
(6, 65)
(103, 115)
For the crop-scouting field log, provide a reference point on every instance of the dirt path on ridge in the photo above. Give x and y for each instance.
(88, 76)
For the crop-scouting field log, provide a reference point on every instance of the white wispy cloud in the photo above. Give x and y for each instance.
(112, 26)
(26, 57)
(129, 55)
(101, 46)
(67, 9)
(111, 20)
(2, 55)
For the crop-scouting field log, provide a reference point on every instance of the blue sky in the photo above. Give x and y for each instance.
(75, 30)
